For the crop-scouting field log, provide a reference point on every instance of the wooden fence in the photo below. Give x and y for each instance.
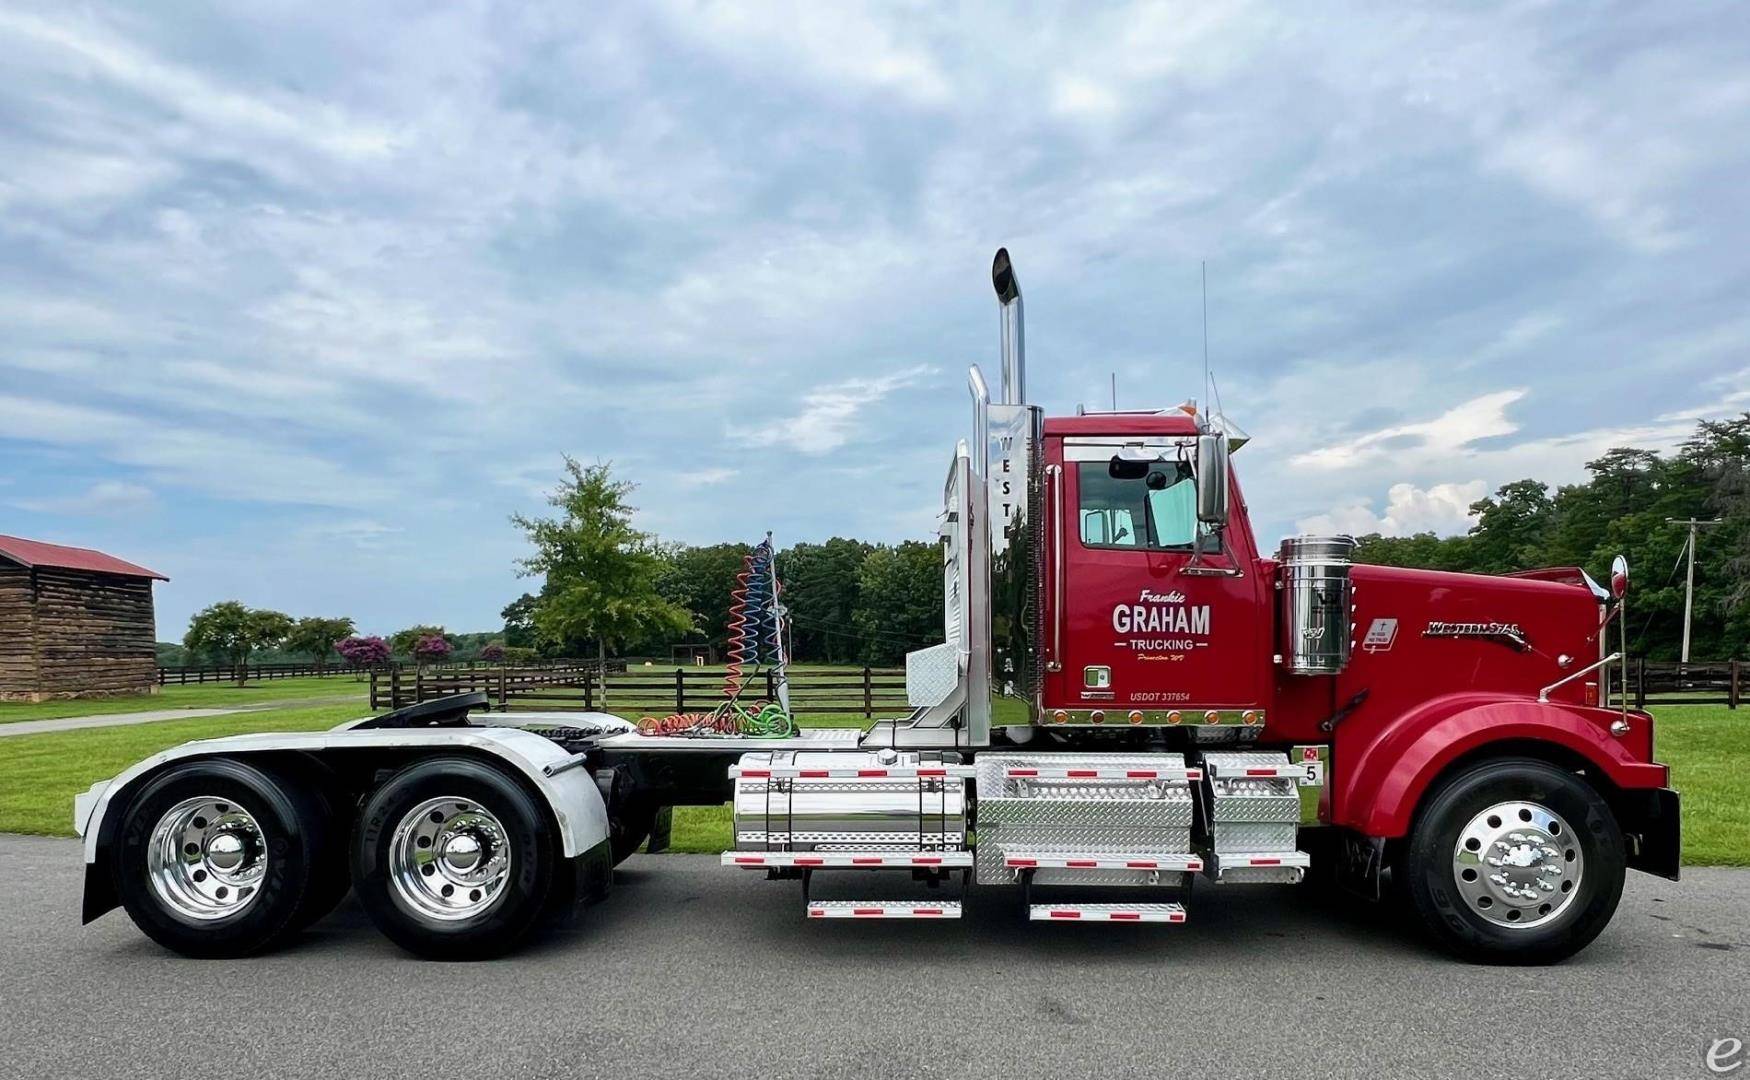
(637, 692)
(1664, 682)
(177, 676)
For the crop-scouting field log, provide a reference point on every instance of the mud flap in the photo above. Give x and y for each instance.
(1653, 830)
(660, 829)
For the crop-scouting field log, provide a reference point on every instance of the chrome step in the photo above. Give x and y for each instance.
(1258, 867)
(850, 860)
(1024, 859)
(882, 909)
(1158, 913)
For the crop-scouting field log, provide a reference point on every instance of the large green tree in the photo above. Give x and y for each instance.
(600, 572)
(316, 637)
(230, 631)
(899, 601)
(822, 586)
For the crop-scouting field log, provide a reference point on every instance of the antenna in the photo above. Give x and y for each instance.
(1204, 265)
(1114, 391)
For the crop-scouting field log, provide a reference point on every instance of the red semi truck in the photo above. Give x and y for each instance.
(1131, 695)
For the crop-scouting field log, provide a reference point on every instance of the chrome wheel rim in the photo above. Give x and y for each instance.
(1518, 864)
(206, 858)
(449, 859)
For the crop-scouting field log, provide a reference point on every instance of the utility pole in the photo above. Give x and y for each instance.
(1689, 584)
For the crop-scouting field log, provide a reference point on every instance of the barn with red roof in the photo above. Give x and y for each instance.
(73, 623)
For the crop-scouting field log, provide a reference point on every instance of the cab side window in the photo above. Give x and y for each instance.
(1155, 511)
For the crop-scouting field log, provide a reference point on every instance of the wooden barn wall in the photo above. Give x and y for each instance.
(94, 633)
(17, 657)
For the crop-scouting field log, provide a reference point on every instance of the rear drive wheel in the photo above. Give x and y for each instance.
(1514, 861)
(216, 858)
(454, 860)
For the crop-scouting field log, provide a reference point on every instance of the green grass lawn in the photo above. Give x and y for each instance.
(1708, 748)
(195, 696)
(40, 774)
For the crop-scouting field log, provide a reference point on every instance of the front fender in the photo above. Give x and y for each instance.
(1380, 773)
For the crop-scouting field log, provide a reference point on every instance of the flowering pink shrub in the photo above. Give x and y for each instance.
(363, 651)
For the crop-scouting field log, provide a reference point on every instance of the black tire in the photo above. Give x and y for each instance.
(522, 902)
(295, 835)
(1426, 866)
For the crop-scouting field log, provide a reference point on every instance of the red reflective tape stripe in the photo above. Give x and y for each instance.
(756, 772)
(1081, 864)
(1118, 915)
(932, 772)
(927, 911)
(1260, 772)
(1023, 772)
(751, 860)
(1066, 914)
(868, 911)
(1265, 862)
(810, 862)
(1193, 774)
(1177, 916)
(1082, 774)
(1141, 774)
(871, 772)
(816, 913)
(1194, 864)
(876, 861)
(1023, 862)
(1142, 864)
(926, 860)
(811, 773)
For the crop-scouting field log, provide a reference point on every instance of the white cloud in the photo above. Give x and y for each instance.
(831, 415)
(106, 498)
(1441, 508)
(1479, 418)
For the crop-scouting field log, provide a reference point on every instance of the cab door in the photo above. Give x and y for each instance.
(1159, 615)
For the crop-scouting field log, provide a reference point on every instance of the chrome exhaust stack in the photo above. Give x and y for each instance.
(1014, 345)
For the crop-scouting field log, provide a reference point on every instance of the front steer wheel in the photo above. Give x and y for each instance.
(1514, 861)
(454, 860)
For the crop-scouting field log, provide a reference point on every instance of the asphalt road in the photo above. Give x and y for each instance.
(695, 971)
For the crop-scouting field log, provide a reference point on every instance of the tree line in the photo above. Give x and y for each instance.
(1633, 503)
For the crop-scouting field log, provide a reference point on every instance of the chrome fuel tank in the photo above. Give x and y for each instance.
(828, 801)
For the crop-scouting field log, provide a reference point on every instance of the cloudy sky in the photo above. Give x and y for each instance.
(298, 306)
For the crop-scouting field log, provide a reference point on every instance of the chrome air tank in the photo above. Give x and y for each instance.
(836, 801)
(1316, 603)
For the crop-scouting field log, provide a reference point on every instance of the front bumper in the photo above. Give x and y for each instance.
(1652, 829)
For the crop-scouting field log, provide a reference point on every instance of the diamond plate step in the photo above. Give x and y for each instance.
(1158, 913)
(1259, 867)
(880, 909)
(850, 860)
(1024, 859)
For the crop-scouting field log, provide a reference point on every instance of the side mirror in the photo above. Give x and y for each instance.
(1212, 480)
(1618, 576)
